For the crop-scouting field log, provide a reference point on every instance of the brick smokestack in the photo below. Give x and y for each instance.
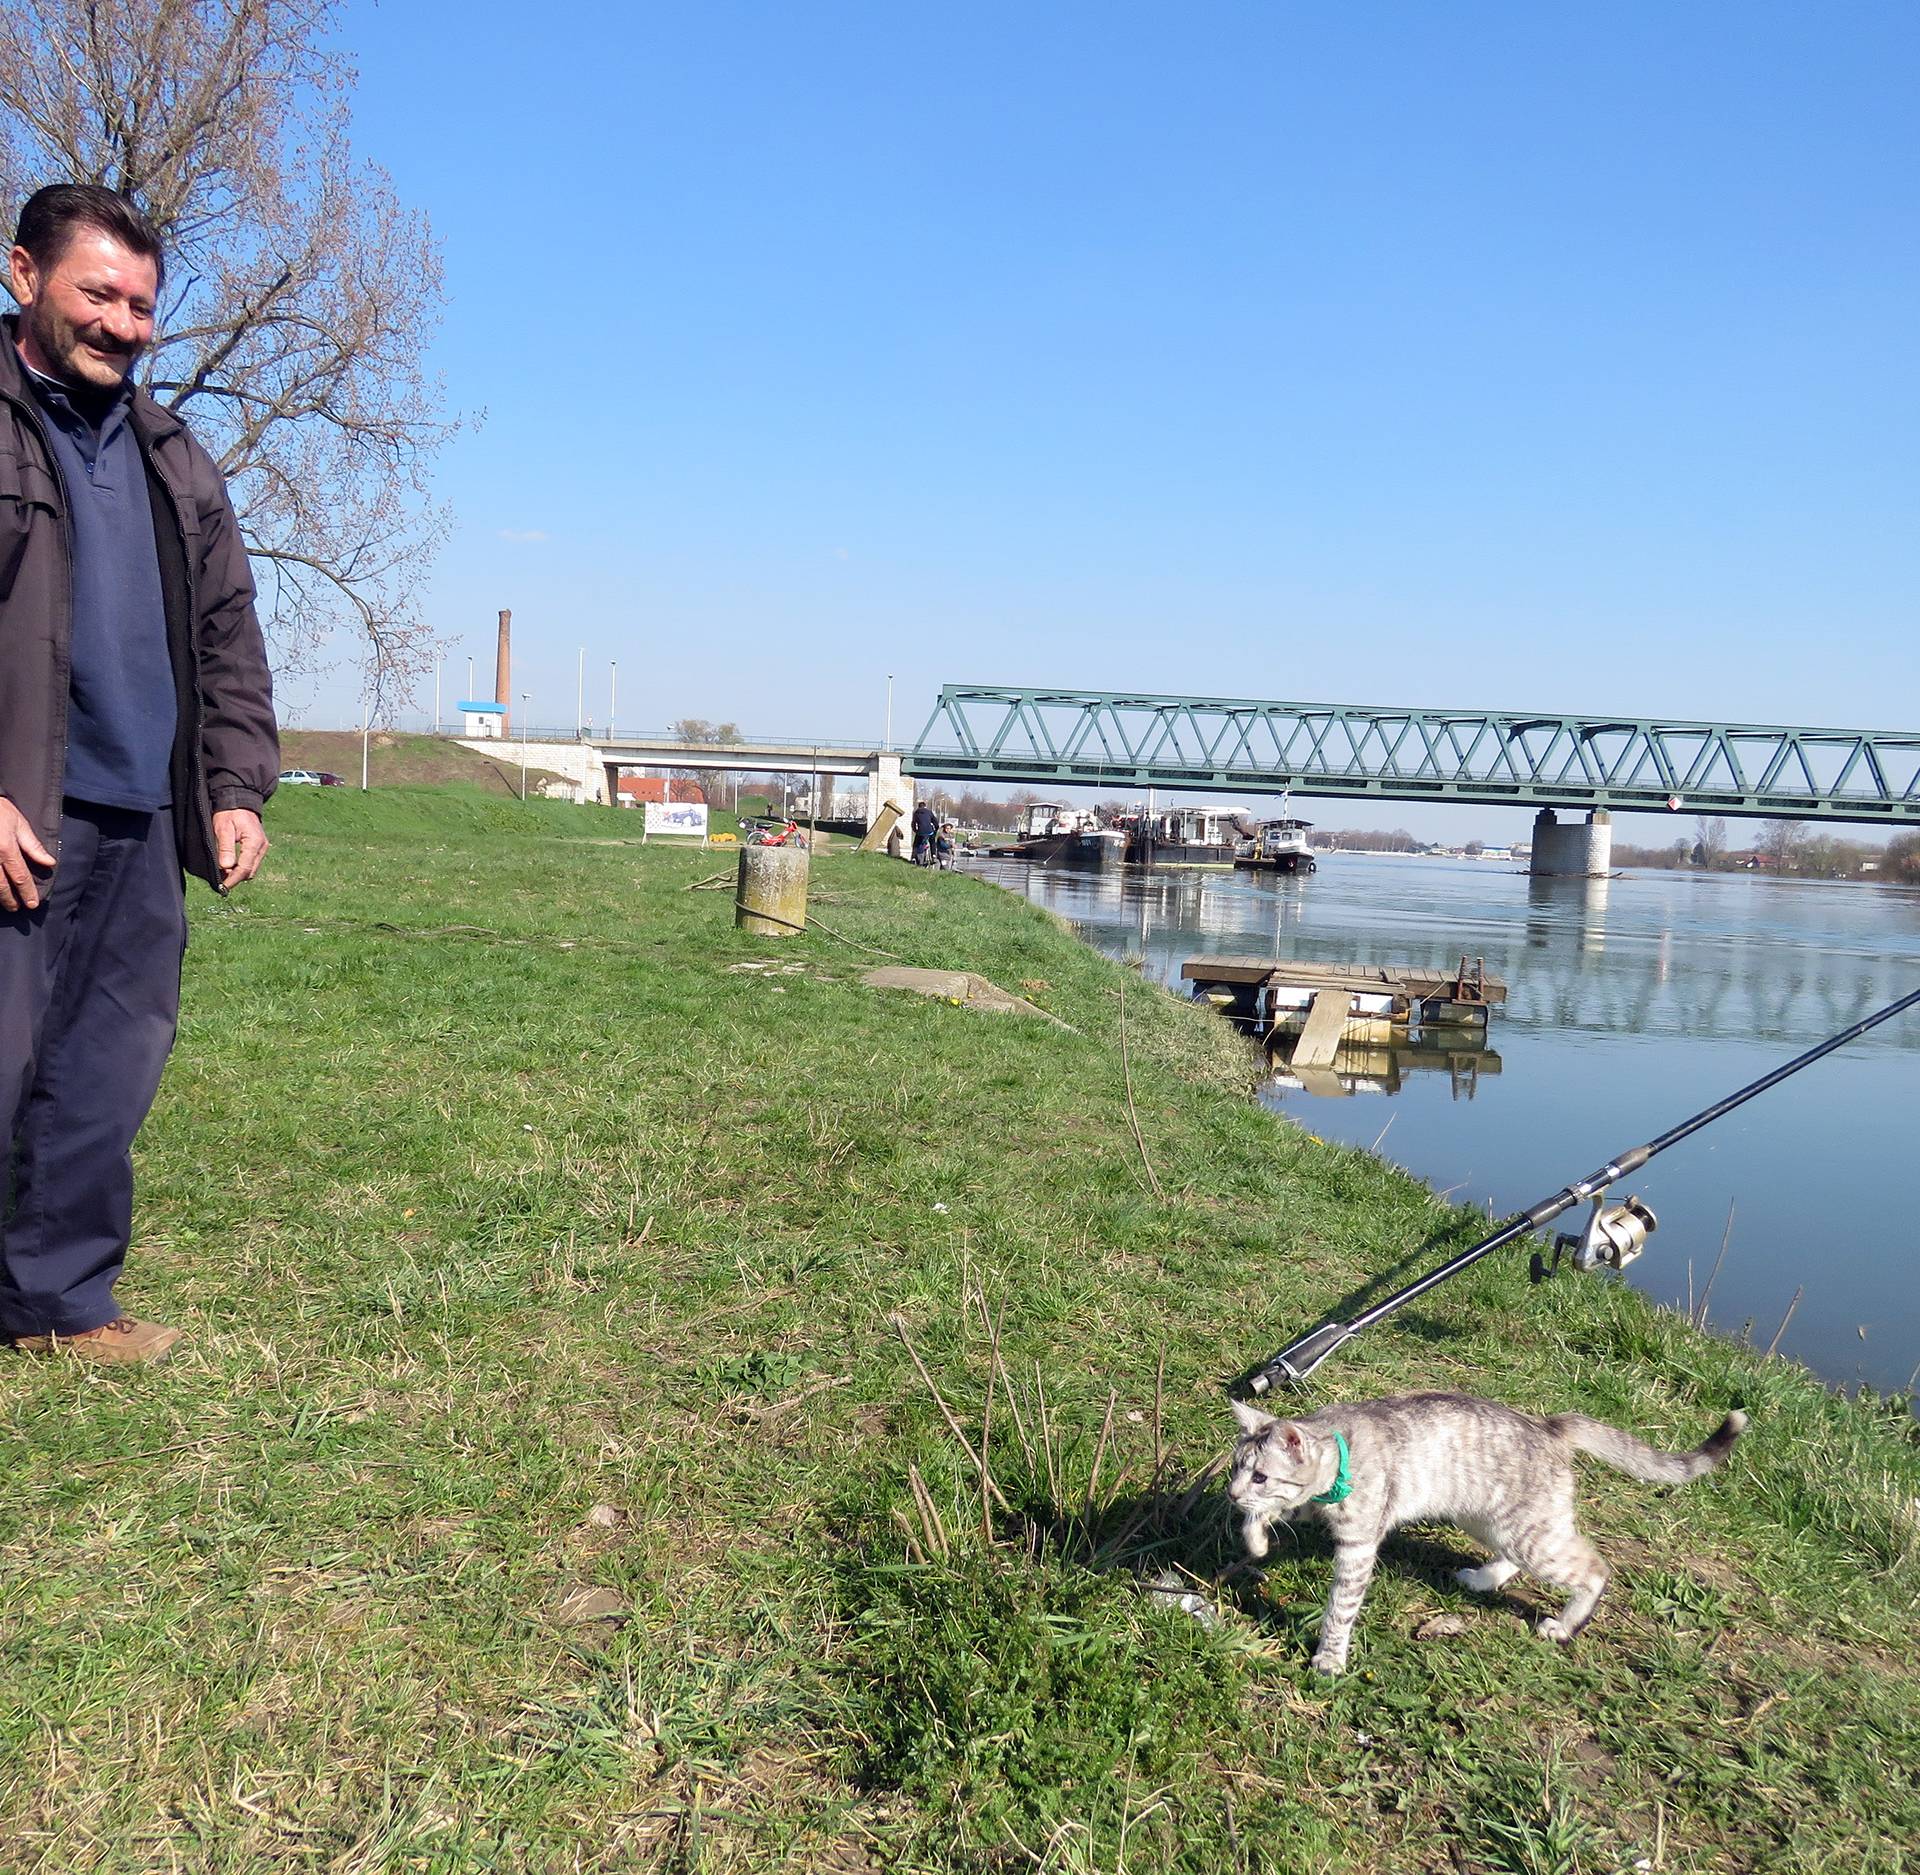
(503, 671)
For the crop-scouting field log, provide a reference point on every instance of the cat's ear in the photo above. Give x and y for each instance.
(1290, 1436)
(1251, 1418)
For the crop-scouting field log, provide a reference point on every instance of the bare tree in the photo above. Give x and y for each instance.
(1900, 860)
(1710, 841)
(698, 729)
(299, 299)
(1781, 841)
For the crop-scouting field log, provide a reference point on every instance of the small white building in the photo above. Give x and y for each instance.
(483, 720)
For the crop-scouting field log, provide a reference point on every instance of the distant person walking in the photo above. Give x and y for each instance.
(926, 823)
(136, 738)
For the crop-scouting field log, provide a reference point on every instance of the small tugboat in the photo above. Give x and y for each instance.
(1187, 836)
(1058, 835)
(1277, 846)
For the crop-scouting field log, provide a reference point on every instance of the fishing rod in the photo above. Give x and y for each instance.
(1614, 1236)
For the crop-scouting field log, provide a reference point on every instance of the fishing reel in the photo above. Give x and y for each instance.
(1614, 1236)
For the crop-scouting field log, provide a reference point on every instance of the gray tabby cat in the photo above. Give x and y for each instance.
(1502, 1476)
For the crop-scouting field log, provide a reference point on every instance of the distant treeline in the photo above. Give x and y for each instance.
(1805, 849)
(968, 809)
(1363, 840)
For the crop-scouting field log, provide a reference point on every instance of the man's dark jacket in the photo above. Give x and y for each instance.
(226, 750)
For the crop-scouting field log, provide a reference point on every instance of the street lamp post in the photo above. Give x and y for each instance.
(439, 664)
(364, 714)
(889, 735)
(580, 699)
(469, 679)
(526, 697)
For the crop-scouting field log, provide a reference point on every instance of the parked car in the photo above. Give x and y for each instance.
(300, 778)
(329, 780)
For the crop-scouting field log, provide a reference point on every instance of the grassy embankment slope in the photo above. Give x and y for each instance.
(536, 1488)
(403, 761)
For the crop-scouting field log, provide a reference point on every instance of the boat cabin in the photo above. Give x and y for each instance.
(1197, 826)
(1040, 818)
(1285, 835)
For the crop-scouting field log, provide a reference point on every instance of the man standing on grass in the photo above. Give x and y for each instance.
(136, 738)
(926, 823)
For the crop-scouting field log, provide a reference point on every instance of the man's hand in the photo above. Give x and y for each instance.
(240, 844)
(20, 852)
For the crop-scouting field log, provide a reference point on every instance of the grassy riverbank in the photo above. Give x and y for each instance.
(548, 1483)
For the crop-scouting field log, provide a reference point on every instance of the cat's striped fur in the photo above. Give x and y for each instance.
(1503, 1476)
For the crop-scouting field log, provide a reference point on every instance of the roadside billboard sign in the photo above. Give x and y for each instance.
(688, 819)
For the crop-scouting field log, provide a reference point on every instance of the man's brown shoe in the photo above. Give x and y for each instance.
(127, 1339)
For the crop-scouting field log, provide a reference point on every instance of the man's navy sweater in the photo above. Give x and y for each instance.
(122, 709)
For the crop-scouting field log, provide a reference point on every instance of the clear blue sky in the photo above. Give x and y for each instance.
(1543, 357)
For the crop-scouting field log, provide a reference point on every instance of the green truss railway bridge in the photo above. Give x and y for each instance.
(1586, 766)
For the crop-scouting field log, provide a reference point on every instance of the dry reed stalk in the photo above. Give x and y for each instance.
(1706, 1294)
(986, 1477)
(1133, 1113)
(1006, 1381)
(1099, 1457)
(1046, 1433)
(1785, 1319)
(762, 1414)
(1201, 1479)
(914, 1551)
(1121, 1541)
(946, 1412)
(1159, 1400)
(930, 1518)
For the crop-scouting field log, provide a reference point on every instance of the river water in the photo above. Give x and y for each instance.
(1632, 1003)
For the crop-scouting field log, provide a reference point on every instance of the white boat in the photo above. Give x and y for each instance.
(1278, 846)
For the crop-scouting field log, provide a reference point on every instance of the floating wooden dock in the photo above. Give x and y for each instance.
(1330, 1003)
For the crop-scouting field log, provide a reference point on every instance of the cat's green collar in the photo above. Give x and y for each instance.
(1342, 1485)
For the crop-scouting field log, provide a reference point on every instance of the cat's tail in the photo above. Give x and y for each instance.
(1639, 1460)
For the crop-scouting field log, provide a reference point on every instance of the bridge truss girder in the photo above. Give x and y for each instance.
(1103, 739)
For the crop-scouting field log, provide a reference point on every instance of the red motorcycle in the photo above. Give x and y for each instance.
(772, 833)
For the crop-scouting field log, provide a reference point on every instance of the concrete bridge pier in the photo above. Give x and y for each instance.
(1577, 850)
(886, 784)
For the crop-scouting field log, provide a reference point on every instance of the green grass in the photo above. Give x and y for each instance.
(546, 1484)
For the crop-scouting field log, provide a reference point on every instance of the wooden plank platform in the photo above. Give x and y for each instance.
(1414, 981)
(1320, 1040)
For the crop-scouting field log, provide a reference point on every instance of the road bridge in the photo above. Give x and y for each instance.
(882, 768)
(1105, 739)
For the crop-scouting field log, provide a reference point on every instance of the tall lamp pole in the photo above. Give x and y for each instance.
(363, 744)
(580, 699)
(439, 664)
(889, 735)
(526, 697)
(469, 679)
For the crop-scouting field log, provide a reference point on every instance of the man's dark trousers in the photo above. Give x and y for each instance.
(89, 997)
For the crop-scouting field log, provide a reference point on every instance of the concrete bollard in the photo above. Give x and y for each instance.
(771, 897)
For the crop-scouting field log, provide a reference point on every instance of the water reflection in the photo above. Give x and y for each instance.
(1672, 954)
(1382, 1066)
(1568, 913)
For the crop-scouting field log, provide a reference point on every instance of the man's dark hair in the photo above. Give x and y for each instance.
(52, 215)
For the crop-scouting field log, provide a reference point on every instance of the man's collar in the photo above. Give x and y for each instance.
(82, 404)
